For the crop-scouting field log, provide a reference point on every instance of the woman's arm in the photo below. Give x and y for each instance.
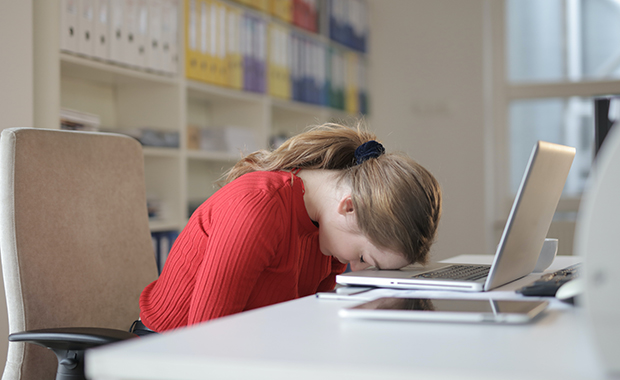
(242, 242)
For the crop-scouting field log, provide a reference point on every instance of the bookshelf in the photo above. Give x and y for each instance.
(126, 98)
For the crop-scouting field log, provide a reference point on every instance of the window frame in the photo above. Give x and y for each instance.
(499, 93)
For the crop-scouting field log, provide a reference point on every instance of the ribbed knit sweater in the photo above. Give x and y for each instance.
(251, 244)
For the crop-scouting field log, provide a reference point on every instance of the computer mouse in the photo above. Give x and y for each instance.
(570, 290)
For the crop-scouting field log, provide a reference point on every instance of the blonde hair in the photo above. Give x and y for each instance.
(396, 200)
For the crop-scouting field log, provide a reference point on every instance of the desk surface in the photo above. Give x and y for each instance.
(305, 339)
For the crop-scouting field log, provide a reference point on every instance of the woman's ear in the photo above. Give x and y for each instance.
(345, 206)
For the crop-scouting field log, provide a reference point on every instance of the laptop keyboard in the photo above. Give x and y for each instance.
(458, 272)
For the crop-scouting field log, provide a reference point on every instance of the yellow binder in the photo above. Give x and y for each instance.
(233, 41)
(272, 64)
(261, 5)
(282, 9)
(204, 51)
(351, 89)
(221, 56)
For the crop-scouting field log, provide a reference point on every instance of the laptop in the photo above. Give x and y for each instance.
(519, 247)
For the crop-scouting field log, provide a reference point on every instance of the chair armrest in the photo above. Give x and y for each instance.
(71, 338)
(69, 345)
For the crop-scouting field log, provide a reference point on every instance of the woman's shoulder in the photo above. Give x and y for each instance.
(251, 191)
(263, 180)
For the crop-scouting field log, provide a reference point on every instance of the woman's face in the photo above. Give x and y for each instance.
(347, 244)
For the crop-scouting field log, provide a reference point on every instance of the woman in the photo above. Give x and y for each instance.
(288, 221)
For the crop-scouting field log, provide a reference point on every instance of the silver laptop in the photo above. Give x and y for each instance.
(519, 246)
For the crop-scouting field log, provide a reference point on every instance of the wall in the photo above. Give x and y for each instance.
(16, 94)
(427, 98)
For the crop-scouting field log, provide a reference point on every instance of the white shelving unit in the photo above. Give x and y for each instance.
(127, 98)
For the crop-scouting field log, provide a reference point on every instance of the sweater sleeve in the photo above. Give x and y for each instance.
(329, 283)
(242, 242)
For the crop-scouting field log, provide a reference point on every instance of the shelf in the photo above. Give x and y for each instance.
(218, 94)
(160, 152)
(164, 225)
(77, 67)
(291, 106)
(213, 156)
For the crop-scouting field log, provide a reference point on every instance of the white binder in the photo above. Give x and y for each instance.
(69, 25)
(102, 29)
(142, 33)
(130, 41)
(86, 19)
(154, 39)
(117, 31)
(170, 48)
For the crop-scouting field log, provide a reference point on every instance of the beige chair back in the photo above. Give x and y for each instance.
(75, 241)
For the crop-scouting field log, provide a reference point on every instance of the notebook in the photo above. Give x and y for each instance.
(522, 239)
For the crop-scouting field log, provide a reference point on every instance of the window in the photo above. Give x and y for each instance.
(546, 60)
(559, 53)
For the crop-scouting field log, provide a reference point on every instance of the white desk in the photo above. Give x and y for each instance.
(305, 339)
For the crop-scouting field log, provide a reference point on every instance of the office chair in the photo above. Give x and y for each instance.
(75, 244)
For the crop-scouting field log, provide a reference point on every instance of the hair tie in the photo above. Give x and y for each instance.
(369, 149)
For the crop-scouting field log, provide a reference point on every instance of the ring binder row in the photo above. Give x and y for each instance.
(231, 46)
(348, 23)
(348, 19)
(136, 33)
(228, 46)
(301, 13)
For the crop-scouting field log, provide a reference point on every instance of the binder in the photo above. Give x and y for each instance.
(169, 52)
(204, 56)
(316, 72)
(295, 68)
(322, 96)
(348, 23)
(304, 70)
(261, 5)
(305, 14)
(69, 25)
(154, 40)
(311, 15)
(363, 87)
(361, 36)
(234, 57)
(286, 59)
(171, 37)
(351, 89)
(220, 40)
(117, 31)
(328, 77)
(273, 64)
(282, 9)
(272, 61)
(101, 36)
(246, 51)
(212, 48)
(261, 55)
(130, 42)
(162, 244)
(141, 33)
(192, 35)
(86, 27)
(336, 94)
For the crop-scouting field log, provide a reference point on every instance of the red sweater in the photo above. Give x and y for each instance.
(249, 245)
